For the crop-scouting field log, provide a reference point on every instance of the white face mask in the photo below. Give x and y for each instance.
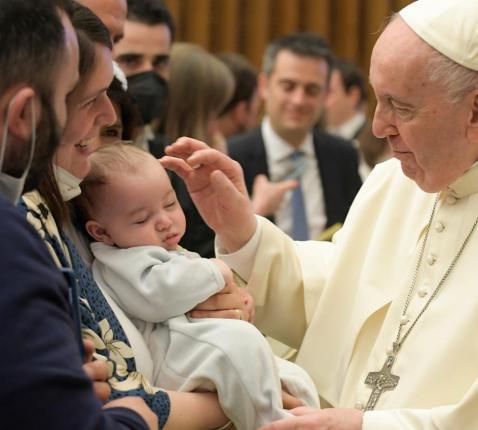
(10, 187)
(68, 184)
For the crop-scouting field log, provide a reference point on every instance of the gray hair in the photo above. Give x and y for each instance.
(302, 44)
(457, 79)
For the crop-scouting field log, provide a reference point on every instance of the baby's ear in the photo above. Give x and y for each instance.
(98, 232)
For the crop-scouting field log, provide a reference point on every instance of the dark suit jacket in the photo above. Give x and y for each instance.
(338, 167)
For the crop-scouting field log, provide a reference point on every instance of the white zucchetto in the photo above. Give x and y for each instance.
(449, 26)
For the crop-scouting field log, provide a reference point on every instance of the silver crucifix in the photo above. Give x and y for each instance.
(381, 381)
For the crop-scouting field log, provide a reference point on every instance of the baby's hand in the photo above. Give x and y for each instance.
(226, 273)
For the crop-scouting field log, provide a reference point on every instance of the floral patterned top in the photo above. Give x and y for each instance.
(99, 323)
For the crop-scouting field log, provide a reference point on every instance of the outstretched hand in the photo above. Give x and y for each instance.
(216, 185)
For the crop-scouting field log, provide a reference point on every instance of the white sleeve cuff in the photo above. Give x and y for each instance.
(242, 260)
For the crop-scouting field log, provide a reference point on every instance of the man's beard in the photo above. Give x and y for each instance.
(47, 141)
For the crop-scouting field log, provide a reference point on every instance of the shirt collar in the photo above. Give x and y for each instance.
(466, 184)
(349, 128)
(279, 149)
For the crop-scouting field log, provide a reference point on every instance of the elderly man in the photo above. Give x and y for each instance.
(386, 316)
(43, 383)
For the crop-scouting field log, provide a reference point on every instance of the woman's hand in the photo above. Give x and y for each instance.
(97, 371)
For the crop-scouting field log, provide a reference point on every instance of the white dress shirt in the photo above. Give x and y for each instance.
(348, 129)
(278, 153)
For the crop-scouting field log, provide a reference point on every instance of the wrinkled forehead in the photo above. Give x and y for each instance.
(399, 50)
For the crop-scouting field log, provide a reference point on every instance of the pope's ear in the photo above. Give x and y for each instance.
(21, 113)
(472, 125)
(98, 232)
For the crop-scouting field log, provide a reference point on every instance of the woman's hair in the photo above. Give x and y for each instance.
(129, 113)
(199, 87)
(90, 31)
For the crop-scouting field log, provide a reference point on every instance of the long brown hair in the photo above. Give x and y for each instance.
(200, 86)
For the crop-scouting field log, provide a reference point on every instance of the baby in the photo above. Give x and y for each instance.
(134, 216)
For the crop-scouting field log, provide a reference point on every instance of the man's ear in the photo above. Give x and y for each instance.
(98, 232)
(263, 85)
(354, 94)
(240, 113)
(21, 113)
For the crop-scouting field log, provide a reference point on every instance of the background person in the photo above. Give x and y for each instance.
(148, 34)
(293, 84)
(112, 13)
(128, 124)
(241, 112)
(345, 115)
(199, 88)
(144, 56)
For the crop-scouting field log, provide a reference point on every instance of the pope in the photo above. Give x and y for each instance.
(385, 317)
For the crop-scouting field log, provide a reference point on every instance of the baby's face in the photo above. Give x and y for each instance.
(142, 209)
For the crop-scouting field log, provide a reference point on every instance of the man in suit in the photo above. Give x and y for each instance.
(293, 84)
(242, 111)
(345, 115)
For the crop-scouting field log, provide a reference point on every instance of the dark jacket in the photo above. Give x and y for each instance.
(337, 160)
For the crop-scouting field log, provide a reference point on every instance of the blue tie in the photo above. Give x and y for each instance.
(300, 230)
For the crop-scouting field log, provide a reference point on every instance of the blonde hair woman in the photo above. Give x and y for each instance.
(200, 86)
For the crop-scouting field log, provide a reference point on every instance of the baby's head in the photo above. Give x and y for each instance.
(128, 200)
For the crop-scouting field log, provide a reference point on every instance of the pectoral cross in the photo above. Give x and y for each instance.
(381, 381)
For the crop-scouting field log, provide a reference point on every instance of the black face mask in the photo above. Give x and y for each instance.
(150, 92)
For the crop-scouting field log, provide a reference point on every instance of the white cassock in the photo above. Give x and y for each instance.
(341, 303)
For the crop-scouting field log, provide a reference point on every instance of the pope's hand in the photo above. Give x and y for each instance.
(216, 185)
(314, 419)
